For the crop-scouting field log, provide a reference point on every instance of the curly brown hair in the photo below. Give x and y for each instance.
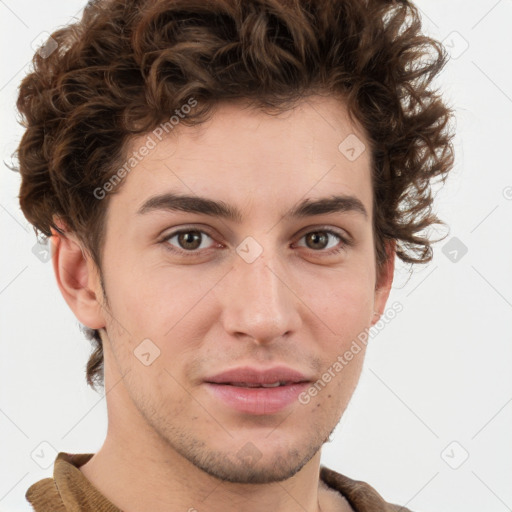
(127, 64)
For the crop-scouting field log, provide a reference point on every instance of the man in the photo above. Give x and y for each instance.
(226, 186)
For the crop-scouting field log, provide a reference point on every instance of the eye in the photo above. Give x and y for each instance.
(192, 242)
(322, 240)
(187, 240)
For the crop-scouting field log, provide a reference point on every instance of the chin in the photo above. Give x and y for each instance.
(249, 465)
(245, 471)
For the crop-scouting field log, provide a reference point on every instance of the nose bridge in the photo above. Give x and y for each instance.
(257, 300)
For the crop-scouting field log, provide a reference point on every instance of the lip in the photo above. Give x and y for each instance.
(257, 400)
(252, 375)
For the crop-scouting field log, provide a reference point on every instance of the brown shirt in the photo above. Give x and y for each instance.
(70, 491)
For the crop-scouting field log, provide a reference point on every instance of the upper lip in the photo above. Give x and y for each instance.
(251, 375)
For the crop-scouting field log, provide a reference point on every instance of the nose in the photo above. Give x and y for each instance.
(258, 300)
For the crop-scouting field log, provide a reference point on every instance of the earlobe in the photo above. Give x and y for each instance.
(384, 281)
(77, 279)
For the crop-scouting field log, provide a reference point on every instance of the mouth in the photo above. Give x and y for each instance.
(256, 385)
(247, 376)
(257, 391)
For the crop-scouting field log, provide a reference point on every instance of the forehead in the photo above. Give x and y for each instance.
(254, 159)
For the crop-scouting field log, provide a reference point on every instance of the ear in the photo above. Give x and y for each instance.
(384, 281)
(77, 278)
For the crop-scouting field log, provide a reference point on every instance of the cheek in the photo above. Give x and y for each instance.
(346, 305)
(151, 301)
(160, 306)
(347, 309)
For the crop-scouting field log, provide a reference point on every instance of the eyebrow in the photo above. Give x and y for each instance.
(202, 205)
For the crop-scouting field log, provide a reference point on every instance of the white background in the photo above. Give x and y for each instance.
(439, 372)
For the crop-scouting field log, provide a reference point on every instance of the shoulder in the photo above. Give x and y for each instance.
(361, 496)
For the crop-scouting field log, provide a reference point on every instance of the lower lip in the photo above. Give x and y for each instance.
(257, 400)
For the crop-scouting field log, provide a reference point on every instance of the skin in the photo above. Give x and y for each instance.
(171, 445)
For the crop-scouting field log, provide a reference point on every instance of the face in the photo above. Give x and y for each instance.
(211, 305)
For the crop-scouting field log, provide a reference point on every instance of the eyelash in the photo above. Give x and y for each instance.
(345, 242)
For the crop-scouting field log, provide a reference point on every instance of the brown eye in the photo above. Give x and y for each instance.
(323, 240)
(189, 240)
(317, 240)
